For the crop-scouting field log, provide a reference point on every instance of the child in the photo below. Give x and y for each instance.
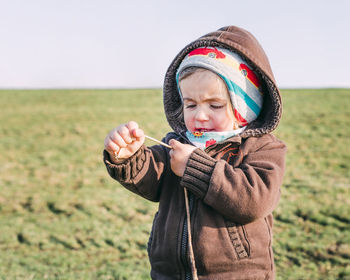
(222, 102)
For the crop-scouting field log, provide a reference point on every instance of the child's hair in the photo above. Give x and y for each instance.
(187, 72)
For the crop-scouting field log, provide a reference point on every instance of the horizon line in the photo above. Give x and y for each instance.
(148, 88)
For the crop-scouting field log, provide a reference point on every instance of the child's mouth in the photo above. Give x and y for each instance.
(203, 130)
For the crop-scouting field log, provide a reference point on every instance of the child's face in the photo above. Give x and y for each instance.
(207, 106)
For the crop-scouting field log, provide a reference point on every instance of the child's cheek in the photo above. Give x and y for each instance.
(190, 125)
(189, 121)
(223, 122)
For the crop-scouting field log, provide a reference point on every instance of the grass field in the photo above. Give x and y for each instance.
(63, 217)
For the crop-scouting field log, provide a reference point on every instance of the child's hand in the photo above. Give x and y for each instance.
(179, 156)
(124, 141)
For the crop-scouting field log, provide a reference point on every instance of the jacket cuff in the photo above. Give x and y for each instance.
(199, 169)
(127, 169)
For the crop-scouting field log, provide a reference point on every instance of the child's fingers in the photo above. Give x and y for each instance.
(174, 143)
(138, 133)
(171, 154)
(134, 129)
(124, 133)
(111, 147)
(118, 139)
(174, 151)
(132, 125)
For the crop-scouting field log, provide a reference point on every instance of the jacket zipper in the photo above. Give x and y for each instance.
(184, 243)
(184, 240)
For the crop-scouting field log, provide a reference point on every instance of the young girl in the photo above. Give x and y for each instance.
(222, 102)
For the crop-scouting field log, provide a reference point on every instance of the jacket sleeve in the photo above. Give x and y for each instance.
(141, 173)
(243, 193)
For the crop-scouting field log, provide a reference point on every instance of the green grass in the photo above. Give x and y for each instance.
(62, 217)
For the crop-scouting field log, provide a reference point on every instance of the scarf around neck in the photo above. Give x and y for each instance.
(205, 139)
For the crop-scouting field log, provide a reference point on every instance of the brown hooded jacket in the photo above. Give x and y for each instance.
(233, 185)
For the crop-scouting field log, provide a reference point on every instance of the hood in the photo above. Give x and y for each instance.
(244, 43)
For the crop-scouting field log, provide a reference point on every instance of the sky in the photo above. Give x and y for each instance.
(130, 44)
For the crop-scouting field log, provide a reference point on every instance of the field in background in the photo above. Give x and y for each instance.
(63, 217)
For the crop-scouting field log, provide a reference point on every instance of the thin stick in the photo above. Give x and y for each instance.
(159, 142)
(150, 138)
(193, 264)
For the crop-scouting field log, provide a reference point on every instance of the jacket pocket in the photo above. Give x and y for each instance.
(239, 240)
(150, 240)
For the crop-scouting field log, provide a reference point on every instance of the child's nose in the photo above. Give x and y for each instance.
(201, 115)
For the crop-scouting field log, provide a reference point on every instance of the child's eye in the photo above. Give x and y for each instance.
(217, 106)
(189, 106)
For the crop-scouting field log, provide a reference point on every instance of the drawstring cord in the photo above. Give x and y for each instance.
(193, 264)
